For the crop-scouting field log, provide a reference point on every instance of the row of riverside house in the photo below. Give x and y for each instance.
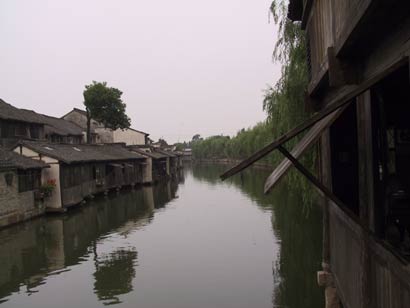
(47, 166)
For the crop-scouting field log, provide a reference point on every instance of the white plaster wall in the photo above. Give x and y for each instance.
(129, 136)
(105, 135)
(168, 166)
(52, 173)
(147, 171)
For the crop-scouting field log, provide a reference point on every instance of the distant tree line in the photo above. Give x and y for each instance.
(283, 102)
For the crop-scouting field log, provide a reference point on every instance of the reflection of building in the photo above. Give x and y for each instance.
(114, 274)
(30, 252)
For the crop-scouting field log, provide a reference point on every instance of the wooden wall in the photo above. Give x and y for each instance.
(367, 273)
(320, 36)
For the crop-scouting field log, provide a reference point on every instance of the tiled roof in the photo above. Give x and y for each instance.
(69, 153)
(61, 127)
(154, 155)
(167, 153)
(52, 124)
(13, 160)
(9, 112)
(84, 113)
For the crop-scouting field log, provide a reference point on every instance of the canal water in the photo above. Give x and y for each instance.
(194, 242)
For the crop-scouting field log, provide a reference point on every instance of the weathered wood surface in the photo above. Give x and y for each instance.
(309, 139)
(326, 191)
(347, 14)
(320, 35)
(335, 104)
(385, 274)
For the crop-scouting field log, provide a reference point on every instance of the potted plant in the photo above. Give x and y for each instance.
(47, 189)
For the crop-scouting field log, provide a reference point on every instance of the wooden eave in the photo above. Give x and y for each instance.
(307, 8)
(333, 106)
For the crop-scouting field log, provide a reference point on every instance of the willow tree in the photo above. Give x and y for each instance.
(284, 102)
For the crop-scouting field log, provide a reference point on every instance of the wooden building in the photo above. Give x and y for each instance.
(61, 131)
(173, 161)
(20, 182)
(81, 171)
(21, 124)
(16, 124)
(359, 90)
(101, 134)
(159, 162)
(148, 166)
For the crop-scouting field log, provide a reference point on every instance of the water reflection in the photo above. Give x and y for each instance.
(213, 246)
(113, 275)
(299, 233)
(48, 246)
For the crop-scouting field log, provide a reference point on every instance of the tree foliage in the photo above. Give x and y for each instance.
(104, 105)
(283, 104)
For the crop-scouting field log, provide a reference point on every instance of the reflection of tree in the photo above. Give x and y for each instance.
(49, 245)
(113, 275)
(300, 235)
(300, 252)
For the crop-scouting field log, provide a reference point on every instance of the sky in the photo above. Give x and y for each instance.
(185, 67)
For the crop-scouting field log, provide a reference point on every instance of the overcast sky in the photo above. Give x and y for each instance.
(185, 66)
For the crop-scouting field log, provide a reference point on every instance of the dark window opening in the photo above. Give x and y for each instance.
(391, 146)
(34, 132)
(344, 158)
(29, 180)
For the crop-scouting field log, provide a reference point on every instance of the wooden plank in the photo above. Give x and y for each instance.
(340, 72)
(306, 13)
(327, 192)
(333, 106)
(310, 138)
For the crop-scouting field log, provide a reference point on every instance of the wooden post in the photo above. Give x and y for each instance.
(326, 177)
(327, 192)
(365, 146)
(332, 299)
(366, 186)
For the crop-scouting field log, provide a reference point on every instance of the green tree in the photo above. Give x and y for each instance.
(104, 104)
(196, 137)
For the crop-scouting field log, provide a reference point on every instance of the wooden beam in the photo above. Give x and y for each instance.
(326, 191)
(306, 13)
(308, 140)
(341, 73)
(334, 105)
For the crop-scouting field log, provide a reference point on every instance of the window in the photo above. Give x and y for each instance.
(391, 152)
(344, 158)
(20, 130)
(29, 180)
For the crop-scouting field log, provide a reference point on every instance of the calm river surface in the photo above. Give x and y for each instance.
(191, 243)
